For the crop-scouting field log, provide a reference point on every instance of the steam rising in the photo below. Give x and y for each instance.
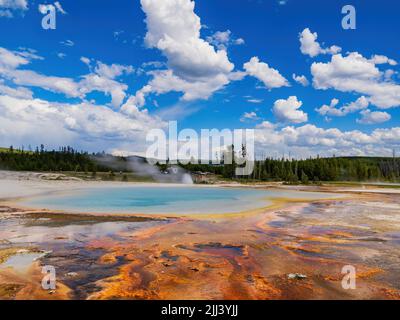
(141, 167)
(173, 174)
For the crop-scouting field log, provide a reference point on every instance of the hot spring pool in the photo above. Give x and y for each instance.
(165, 199)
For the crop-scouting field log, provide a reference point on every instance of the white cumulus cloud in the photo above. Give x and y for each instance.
(331, 110)
(263, 72)
(310, 140)
(84, 125)
(223, 39)
(174, 29)
(380, 59)
(103, 78)
(310, 46)
(249, 116)
(8, 7)
(373, 117)
(301, 79)
(355, 73)
(194, 66)
(289, 110)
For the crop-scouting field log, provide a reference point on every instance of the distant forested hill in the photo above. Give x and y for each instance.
(329, 169)
(314, 169)
(65, 159)
(304, 171)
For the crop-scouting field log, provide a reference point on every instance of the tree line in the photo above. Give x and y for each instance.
(64, 159)
(289, 170)
(326, 169)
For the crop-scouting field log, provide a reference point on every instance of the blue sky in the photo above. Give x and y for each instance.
(97, 82)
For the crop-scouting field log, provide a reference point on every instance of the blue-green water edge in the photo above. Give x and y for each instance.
(165, 200)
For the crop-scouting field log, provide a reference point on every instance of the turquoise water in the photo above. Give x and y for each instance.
(164, 200)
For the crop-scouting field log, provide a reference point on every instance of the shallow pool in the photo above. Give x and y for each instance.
(165, 199)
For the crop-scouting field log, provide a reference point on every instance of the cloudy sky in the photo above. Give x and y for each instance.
(109, 73)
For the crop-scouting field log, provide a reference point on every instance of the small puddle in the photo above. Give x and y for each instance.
(21, 261)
